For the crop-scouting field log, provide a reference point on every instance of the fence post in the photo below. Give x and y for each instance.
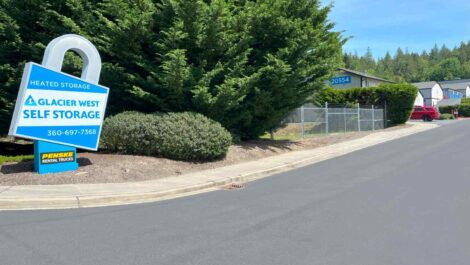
(373, 118)
(385, 115)
(344, 117)
(358, 117)
(302, 128)
(326, 117)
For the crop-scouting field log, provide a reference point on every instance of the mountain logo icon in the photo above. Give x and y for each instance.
(30, 102)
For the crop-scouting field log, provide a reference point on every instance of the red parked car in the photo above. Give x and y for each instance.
(425, 113)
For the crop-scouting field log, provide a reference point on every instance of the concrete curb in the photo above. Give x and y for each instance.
(202, 181)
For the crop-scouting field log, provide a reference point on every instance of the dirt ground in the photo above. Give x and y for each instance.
(113, 168)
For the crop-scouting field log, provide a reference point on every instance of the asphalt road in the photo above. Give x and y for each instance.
(405, 202)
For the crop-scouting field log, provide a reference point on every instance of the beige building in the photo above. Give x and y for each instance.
(346, 78)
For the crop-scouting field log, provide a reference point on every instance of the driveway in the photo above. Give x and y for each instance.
(405, 202)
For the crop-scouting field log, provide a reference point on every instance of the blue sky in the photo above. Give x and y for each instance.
(416, 25)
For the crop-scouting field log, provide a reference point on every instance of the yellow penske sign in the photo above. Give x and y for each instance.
(57, 157)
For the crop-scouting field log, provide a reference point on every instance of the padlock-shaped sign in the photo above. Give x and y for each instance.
(60, 111)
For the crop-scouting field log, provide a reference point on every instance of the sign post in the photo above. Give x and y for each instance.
(59, 111)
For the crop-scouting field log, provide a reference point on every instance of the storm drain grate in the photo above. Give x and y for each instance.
(233, 186)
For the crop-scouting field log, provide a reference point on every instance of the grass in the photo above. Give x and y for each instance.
(289, 137)
(446, 116)
(292, 132)
(18, 158)
(15, 150)
(292, 136)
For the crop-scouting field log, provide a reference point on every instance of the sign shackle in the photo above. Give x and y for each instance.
(56, 49)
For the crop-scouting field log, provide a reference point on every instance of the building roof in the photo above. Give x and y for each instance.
(449, 102)
(364, 75)
(425, 85)
(450, 89)
(459, 84)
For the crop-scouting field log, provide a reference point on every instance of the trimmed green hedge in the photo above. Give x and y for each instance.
(399, 99)
(464, 110)
(447, 109)
(180, 136)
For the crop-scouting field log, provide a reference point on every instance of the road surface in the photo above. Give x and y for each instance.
(405, 202)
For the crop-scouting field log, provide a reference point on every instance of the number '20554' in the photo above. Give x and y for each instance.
(340, 80)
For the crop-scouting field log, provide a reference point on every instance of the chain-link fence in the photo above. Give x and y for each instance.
(310, 120)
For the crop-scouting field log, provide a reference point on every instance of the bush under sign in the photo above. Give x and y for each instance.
(59, 108)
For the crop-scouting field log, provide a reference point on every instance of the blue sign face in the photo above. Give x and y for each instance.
(59, 108)
(339, 80)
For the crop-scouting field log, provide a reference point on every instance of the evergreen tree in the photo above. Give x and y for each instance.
(367, 62)
(447, 70)
(9, 45)
(438, 64)
(243, 63)
(25, 29)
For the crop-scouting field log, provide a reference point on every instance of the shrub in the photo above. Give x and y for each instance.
(398, 98)
(128, 132)
(446, 116)
(464, 110)
(465, 101)
(447, 109)
(180, 136)
(331, 95)
(242, 63)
